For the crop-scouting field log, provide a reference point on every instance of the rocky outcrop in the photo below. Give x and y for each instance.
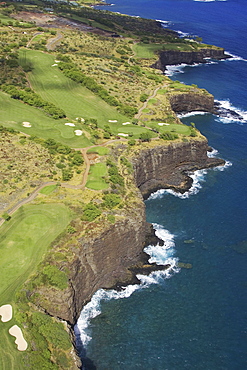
(101, 259)
(173, 57)
(168, 166)
(189, 102)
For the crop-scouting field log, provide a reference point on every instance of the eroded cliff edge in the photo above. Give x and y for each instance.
(101, 258)
(173, 57)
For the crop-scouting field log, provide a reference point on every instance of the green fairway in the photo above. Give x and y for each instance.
(96, 175)
(101, 150)
(14, 113)
(51, 84)
(48, 189)
(23, 242)
(146, 50)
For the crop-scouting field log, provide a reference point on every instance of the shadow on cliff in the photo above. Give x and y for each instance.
(87, 364)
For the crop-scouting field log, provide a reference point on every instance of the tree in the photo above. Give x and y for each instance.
(145, 136)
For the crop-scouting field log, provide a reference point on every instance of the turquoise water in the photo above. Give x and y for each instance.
(189, 318)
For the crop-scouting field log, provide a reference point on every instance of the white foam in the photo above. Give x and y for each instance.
(159, 254)
(190, 114)
(198, 177)
(234, 57)
(212, 154)
(230, 113)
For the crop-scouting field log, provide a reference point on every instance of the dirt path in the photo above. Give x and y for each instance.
(30, 41)
(138, 115)
(52, 43)
(33, 195)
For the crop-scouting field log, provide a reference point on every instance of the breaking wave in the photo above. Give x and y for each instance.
(162, 255)
(228, 113)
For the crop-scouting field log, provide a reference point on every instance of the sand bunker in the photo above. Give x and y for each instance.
(54, 65)
(126, 123)
(163, 124)
(112, 120)
(16, 332)
(78, 132)
(26, 124)
(123, 134)
(70, 124)
(82, 119)
(6, 312)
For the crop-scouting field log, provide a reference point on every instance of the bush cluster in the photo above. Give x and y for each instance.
(31, 98)
(70, 70)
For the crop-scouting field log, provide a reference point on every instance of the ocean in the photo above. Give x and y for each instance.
(189, 318)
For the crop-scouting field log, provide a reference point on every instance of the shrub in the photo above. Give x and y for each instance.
(55, 277)
(145, 136)
(169, 136)
(111, 200)
(90, 212)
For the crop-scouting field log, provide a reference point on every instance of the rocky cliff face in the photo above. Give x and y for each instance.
(189, 102)
(167, 166)
(171, 57)
(102, 259)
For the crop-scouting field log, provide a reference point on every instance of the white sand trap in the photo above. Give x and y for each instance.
(82, 119)
(54, 65)
(26, 124)
(123, 134)
(163, 124)
(57, 61)
(126, 123)
(6, 312)
(112, 120)
(78, 132)
(16, 332)
(70, 124)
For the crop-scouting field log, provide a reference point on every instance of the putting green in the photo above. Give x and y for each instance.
(96, 176)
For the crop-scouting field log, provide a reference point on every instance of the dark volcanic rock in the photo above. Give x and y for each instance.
(168, 166)
(173, 57)
(189, 102)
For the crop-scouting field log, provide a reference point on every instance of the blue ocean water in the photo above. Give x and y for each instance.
(192, 318)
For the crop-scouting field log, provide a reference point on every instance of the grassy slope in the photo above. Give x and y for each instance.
(23, 243)
(53, 86)
(96, 177)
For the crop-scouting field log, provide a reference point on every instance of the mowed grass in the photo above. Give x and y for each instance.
(23, 242)
(48, 189)
(77, 101)
(96, 176)
(146, 51)
(100, 150)
(14, 112)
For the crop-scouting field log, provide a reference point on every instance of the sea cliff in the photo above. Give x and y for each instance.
(173, 57)
(103, 258)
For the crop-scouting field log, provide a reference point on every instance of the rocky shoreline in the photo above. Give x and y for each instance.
(175, 57)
